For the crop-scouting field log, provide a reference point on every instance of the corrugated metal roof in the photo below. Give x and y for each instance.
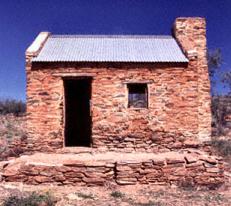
(119, 48)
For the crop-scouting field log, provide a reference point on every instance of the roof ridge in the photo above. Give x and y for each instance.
(108, 36)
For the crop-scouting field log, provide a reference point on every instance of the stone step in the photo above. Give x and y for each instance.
(196, 169)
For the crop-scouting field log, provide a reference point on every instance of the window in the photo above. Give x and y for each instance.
(137, 95)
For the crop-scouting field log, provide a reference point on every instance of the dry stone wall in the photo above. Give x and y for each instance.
(170, 121)
(187, 170)
(191, 35)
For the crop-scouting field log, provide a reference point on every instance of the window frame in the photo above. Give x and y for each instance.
(146, 95)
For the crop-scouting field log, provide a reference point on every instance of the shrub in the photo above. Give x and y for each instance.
(33, 199)
(85, 196)
(12, 106)
(13, 136)
(187, 185)
(223, 147)
(117, 194)
(218, 198)
(221, 107)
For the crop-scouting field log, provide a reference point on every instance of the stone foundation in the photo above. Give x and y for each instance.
(185, 168)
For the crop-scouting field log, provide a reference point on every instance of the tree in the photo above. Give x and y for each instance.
(227, 80)
(214, 63)
(220, 103)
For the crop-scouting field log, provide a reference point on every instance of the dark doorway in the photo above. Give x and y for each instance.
(77, 112)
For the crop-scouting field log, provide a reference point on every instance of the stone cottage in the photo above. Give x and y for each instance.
(125, 92)
(147, 94)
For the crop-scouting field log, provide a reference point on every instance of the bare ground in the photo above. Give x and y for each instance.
(110, 195)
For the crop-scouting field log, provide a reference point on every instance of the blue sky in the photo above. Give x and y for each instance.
(22, 20)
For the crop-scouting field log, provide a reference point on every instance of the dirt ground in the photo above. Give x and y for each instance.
(109, 195)
(112, 195)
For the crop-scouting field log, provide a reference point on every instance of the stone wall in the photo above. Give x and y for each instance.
(178, 114)
(191, 35)
(185, 169)
(170, 121)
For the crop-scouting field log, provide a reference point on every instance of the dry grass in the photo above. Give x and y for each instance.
(12, 129)
(138, 195)
(30, 199)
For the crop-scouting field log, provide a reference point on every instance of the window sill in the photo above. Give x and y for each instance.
(137, 109)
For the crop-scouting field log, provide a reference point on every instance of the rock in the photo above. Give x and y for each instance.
(43, 179)
(175, 160)
(158, 162)
(208, 159)
(191, 143)
(59, 178)
(123, 168)
(110, 165)
(73, 163)
(74, 175)
(63, 169)
(148, 171)
(176, 145)
(95, 174)
(147, 164)
(126, 181)
(127, 175)
(190, 159)
(154, 174)
(194, 164)
(94, 180)
(12, 169)
(73, 196)
(95, 164)
(15, 178)
(3, 164)
(156, 137)
(213, 170)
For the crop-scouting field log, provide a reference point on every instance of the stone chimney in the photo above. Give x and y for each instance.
(190, 34)
(34, 49)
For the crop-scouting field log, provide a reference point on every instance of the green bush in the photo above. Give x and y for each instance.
(12, 106)
(33, 199)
